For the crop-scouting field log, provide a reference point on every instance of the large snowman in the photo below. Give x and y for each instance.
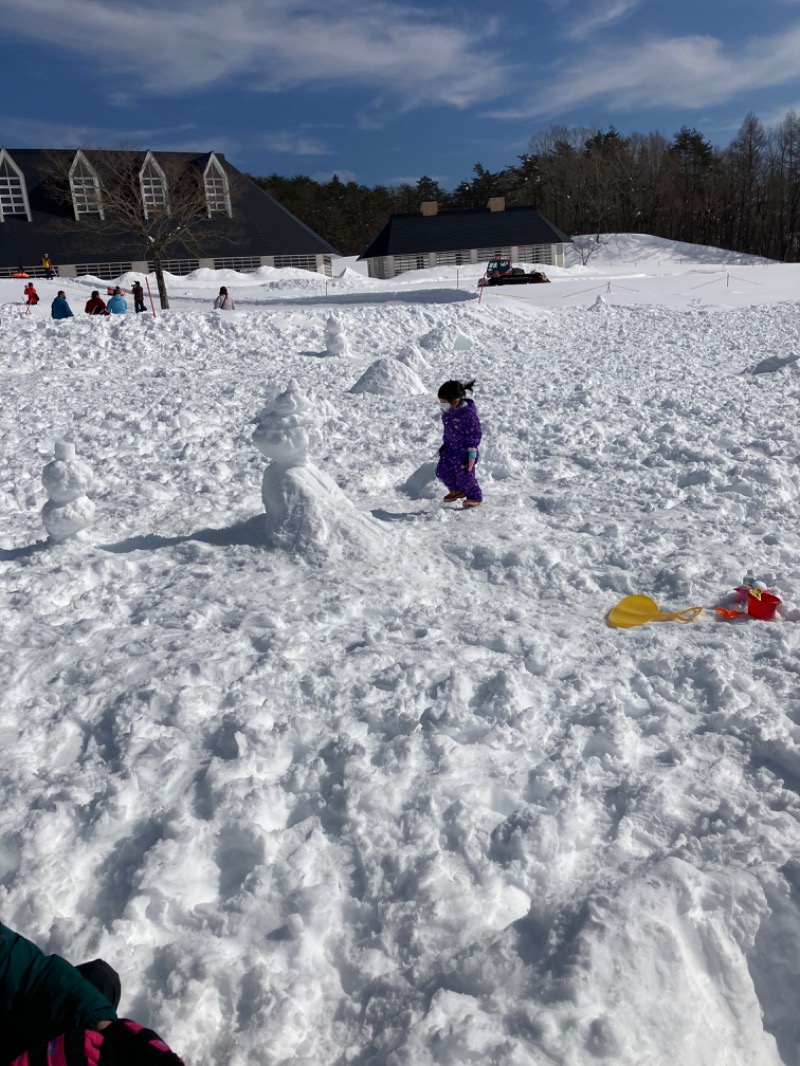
(306, 511)
(66, 481)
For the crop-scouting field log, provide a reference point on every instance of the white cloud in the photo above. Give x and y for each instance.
(417, 54)
(689, 72)
(30, 133)
(603, 13)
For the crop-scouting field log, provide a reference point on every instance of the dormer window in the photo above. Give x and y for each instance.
(154, 187)
(85, 187)
(13, 193)
(218, 196)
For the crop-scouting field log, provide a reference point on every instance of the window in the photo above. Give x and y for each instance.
(85, 187)
(536, 253)
(13, 194)
(154, 187)
(215, 180)
(244, 265)
(102, 271)
(302, 262)
(493, 253)
(402, 263)
(176, 266)
(451, 258)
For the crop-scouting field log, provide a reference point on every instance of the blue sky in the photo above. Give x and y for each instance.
(384, 90)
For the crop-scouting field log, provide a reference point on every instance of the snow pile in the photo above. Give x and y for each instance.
(411, 356)
(386, 377)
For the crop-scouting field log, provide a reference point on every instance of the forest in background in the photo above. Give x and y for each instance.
(744, 197)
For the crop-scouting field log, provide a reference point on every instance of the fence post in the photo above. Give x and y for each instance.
(149, 293)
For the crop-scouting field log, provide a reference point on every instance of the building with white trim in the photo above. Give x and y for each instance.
(430, 237)
(52, 202)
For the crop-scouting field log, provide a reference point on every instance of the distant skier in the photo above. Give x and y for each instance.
(459, 451)
(96, 305)
(138, 296)
(31, 295)
(59, 308)
(224, 302)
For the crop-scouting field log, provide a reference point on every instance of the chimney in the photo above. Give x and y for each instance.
(497, 203)
(429, 208)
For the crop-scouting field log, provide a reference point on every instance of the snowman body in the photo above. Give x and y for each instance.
(335, 337)
(306, 511)
(66, 481)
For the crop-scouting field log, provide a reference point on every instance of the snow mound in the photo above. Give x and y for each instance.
(411, 356)
(385, 377)
(437, 340)
(641, 247)
(307, 514)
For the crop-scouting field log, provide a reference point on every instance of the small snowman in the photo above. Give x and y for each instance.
(66, 481)
(306, 511)
(335, 338)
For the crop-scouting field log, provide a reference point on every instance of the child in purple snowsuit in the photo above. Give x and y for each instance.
(459, 451)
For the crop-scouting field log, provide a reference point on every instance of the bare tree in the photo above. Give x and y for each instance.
(160, 201)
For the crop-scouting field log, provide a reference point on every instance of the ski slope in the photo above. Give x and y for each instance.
(406, 799)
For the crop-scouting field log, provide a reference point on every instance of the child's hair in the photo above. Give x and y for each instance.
(455, 390)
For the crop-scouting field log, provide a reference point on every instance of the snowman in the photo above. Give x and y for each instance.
(335, 338)
(66, 481)
(306, 511)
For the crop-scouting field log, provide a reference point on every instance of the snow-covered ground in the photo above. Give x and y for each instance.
(402, 797)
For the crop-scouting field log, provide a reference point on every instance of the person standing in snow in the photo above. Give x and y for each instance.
(95, 305)
(31, 295)
(118, 305)
(459, 451)
(224, 302)
(47, 265)
(138, 297)
(59, 308)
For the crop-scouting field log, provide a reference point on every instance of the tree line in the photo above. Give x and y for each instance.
(744, 197)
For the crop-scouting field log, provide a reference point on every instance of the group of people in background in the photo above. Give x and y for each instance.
(117, 304)
(95, 305)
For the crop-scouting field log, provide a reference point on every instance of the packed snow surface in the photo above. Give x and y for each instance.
(409, 800)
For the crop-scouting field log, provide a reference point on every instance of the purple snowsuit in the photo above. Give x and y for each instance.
(462, 431)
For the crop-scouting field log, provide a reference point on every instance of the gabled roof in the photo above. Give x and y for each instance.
(260, 225)
(450, 231)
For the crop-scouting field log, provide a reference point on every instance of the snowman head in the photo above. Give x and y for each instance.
(287, 428)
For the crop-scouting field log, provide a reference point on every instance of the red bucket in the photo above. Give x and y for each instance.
(763, 608)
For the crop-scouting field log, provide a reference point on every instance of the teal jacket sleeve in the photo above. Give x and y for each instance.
(41, 996)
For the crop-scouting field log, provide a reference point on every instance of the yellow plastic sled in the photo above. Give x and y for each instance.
(636, 610)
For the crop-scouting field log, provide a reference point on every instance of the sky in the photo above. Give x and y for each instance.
(385, 91)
